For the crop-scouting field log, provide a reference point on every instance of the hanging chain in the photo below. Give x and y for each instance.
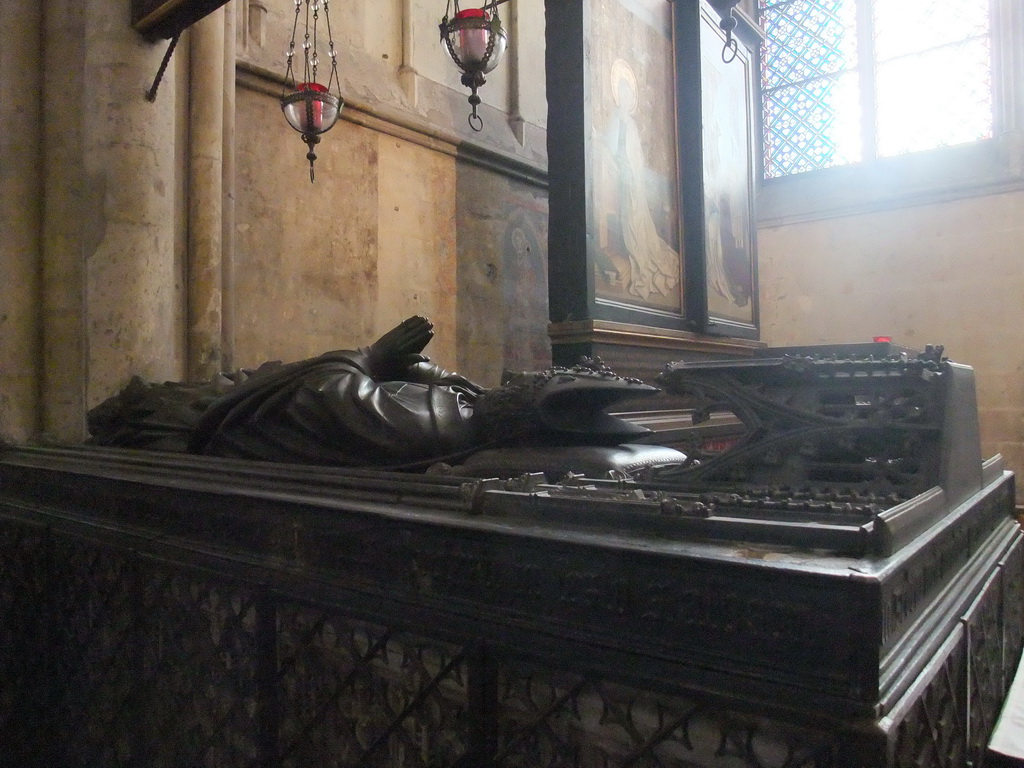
(331, 51)
(289, 75)
(310, 44)
(444, 29)
(314, 58)
(305, 48)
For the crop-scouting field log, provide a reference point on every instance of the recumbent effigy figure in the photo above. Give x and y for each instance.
(386, 405)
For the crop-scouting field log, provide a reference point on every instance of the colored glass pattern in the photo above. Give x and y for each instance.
(812, 125)
(809, 85)
(931, 83)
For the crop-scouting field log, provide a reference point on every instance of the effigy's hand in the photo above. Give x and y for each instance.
(421, 371)
(458, 380)
(407, 338)
(387, 355)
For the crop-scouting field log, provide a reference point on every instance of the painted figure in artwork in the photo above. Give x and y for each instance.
(726, 192)
(728, 263)
(654, 264)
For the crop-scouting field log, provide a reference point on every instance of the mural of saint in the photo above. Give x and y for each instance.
(524, 289)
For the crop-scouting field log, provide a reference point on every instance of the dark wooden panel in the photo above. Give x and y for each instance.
(167, 18)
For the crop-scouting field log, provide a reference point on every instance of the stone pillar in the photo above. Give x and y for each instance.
(231, 12)
(63, 282)
(407, 73)
(206, 200)
(514, 57)
(109, 278)
(20, 219)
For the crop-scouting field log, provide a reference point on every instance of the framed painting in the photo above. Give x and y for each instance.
(637, 243)
(650, 173)
(615, 235)
(717, 151)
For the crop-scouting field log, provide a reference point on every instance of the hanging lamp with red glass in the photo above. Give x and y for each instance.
(309, 106)
(476, 41)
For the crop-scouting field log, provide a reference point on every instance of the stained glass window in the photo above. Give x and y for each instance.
(849, 80)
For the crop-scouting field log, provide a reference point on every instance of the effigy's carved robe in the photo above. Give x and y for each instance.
(384, 406)
(330, 410)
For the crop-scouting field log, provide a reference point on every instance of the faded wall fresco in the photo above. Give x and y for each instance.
(502, 275)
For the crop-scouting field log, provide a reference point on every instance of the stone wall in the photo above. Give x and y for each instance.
(182, 236)
(372, 243)
(503, 274)
(409, 204)
(21, 163)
